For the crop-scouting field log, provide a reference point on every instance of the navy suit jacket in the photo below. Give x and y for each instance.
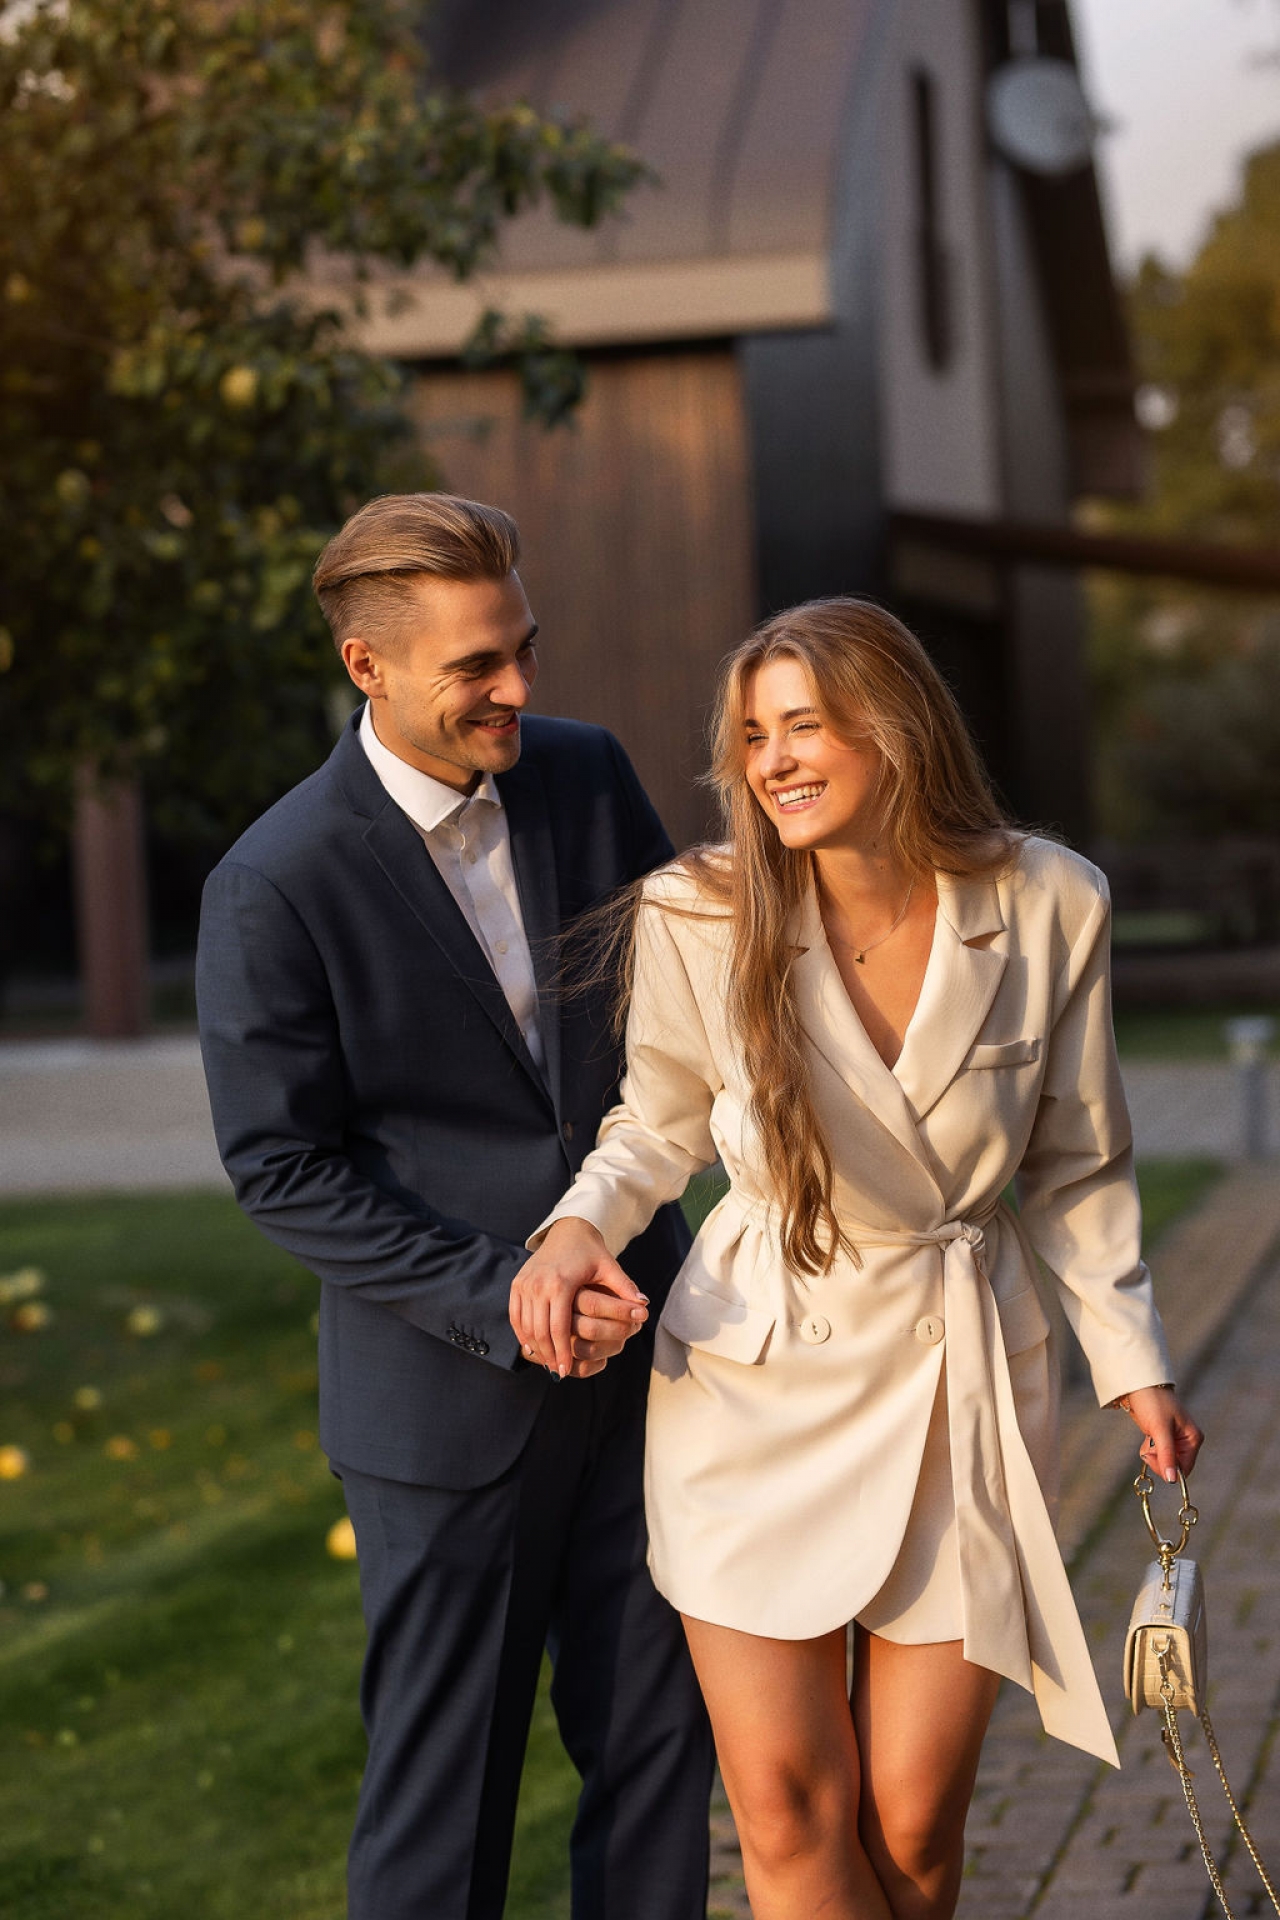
(375, 1103)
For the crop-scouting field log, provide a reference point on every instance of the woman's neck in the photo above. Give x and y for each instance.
(854, 878)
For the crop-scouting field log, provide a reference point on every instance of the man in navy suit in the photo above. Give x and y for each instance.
(400, 1095)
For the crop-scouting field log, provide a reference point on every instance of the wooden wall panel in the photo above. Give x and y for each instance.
(636, 527)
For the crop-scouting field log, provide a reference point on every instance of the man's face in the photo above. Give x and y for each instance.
(447, 694)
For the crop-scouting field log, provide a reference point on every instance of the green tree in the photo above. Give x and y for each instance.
(1186, 678)
(179, 429)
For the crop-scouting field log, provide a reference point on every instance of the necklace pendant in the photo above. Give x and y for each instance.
(860, 958)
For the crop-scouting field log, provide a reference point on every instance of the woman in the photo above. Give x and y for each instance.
(878, 1005)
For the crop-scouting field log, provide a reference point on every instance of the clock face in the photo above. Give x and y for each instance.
(1038, 117)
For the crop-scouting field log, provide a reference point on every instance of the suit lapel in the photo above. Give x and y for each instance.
(958, 990)
(534, 860)
(396, 845)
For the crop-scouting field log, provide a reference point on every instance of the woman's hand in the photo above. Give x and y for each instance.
(572, 1306)
(1170, 1437)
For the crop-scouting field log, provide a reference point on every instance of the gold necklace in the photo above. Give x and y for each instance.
(860, 953)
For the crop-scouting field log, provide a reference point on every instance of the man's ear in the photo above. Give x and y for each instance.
(364, 666)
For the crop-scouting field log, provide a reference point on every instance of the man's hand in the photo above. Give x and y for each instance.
(572, 1306)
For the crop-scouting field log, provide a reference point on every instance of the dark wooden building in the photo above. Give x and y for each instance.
(840, 329)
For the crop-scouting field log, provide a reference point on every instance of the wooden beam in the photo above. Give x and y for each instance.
(111, 907)
(1242, 569)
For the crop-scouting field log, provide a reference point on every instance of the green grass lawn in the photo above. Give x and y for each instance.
(1180, 1033)
(179, 1652)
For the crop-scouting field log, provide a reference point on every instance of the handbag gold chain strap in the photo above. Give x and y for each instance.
(1168, 1552)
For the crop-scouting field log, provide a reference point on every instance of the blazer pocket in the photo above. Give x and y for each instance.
(712, 1323)
(1023, 1321)
(1004, 1053)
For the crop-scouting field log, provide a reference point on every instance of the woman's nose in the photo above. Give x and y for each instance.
(776, 757)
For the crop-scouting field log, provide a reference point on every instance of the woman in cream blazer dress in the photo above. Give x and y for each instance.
(878, 1442)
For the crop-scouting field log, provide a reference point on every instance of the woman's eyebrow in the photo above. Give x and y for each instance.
(792, 713)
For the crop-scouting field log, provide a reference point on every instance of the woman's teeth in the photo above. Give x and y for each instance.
(797, 796)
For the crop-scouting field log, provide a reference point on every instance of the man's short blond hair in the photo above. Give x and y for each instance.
(365, 578)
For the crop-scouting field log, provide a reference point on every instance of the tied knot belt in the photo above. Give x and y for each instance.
(1020, 1618)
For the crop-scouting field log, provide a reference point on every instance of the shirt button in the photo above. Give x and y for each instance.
(815, 1329)
(929, 1330)
(499, 946)
(471, 859)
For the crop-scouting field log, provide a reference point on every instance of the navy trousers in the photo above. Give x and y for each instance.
(461, 1592)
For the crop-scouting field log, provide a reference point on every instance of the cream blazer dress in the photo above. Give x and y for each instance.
(879, 1442)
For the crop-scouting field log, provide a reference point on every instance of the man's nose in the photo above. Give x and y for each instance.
(511, 687)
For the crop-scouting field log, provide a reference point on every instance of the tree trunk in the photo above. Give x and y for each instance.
(111, 907)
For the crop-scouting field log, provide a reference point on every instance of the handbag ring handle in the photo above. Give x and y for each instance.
(1144, 1486)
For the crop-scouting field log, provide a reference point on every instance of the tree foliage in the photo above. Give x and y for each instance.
(1187, 678)
(180, 430)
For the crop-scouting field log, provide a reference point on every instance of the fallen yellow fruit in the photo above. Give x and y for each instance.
(341, 1539)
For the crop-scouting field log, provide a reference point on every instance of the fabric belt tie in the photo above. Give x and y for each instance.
(1020, 1618)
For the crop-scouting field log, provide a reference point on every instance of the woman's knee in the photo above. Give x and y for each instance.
(785, 1814)
(917, 1841)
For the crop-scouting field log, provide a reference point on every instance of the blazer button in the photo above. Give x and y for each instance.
(929, 1330)
(567, 1129)
(815, 1329)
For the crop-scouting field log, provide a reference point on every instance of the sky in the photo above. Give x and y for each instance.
(1179, 81)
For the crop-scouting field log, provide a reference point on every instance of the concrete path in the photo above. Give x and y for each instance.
(79, 1115)
(82, 1115)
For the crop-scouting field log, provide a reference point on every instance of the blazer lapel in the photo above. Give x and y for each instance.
(835, 1031)
(958, 989)
(533, 857)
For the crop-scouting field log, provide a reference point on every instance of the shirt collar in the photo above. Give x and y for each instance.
(428, 802)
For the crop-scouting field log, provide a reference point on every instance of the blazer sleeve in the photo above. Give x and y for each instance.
(273, 1062)
(658, 1135)
(1077, 1193)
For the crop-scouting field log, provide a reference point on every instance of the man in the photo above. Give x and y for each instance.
(399, 1098)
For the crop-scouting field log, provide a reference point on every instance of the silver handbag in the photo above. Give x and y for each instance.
(1166, 1666)
(1166, 1652)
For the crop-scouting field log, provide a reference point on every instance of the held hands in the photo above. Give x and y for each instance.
(1170, 1437)
(572, 1306)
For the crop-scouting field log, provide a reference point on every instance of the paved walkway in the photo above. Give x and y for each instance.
(1053, 1834)
(76, 1115)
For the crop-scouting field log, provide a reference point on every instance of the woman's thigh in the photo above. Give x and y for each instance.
(780, 1714)
(920, 1714)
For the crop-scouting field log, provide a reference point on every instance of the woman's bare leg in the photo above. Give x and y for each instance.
(920, 1715)
(789, 1757)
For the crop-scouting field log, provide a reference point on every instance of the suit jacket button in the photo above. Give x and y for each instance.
(567, 1129)
(929, 1329)
(482, 1346)
(815, 1329)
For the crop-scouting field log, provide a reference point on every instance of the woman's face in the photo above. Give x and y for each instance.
(819, 791)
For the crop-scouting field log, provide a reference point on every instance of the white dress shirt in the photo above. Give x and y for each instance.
(469, 841)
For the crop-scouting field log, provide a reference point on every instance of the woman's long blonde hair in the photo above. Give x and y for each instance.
(872, 680)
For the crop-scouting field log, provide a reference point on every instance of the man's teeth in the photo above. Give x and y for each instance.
(797, 796)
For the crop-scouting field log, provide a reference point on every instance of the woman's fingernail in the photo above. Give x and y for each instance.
(1171, 1473)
